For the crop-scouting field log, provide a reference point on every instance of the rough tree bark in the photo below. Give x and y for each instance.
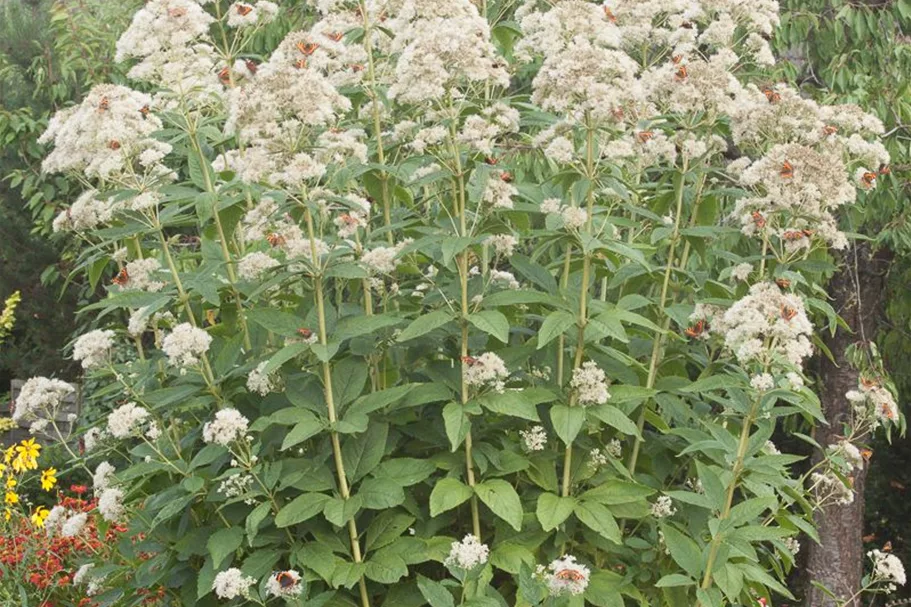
(857, 295)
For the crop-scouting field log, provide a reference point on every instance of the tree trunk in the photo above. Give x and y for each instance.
(857, 295)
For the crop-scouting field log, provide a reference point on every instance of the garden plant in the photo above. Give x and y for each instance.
(456, 303)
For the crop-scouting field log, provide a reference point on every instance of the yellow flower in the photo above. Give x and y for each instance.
(8, 514)
(39, 515)
(12, 497)
(49, 479)
(7, 423)
(27, 453)
(11, 482)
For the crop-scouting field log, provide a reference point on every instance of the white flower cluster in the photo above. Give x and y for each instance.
(765, 325)
(502, 244)
(110, 504)
(887, 569)
(285, 584)
(86, 213)
(467, 554)
(127, 420)
(663, 507)
(241, 14)
(262, 383)
(486, 371)
(534, 439)
(573, 217)
(383, 260)
(255, 264)
(141, 275)
(66, 522)
(228, 426)
(235, 485)
(232, 583)
(108, 135)
(590, 384)
(103, 477)
(40, 397)
(93, 349)
(566, 576)
(185, 345)
(873, 399)
(829, 488)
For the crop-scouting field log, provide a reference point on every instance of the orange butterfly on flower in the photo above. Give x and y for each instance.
(758, 219)
(334, 36)
(570, 575)
(610, 15)
(681, 74)
(469, 360)
(275, 239)
(645, 136)
(307, 48)
(771, 95)
(869, 178)
(792, 235)
(114, 144)
(697, 329)
(285, 579)
(829, 130)
(244, 9)
(783, 283)
(788, 313)
(787, 170)
(122, 278)
(104, 104)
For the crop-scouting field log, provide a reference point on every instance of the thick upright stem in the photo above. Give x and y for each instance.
(344, 488)
(222, 239)
(658, 343)
(463, 280)
(583, 295)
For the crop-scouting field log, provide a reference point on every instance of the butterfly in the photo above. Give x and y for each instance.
(788, 313)
(305, 333)
(244, 9)
(114, 144)
(758, 219)
(681, 73)
(211, 315)
(122, 278)
(867, 382)
(885, 170)
(570, 575)
(469, 360)
(275, 239)
(677, 59)
(771, 95)
(869, 178)
(144, 110)
(334, 36)
(645, 136)
(867, 454)
(792, 235)
(506, 176)
(307, 48)
(251, 66)
(618, 113)
(225, 75)
(300, 64)
(887, 547)
(787, 170)
(783, 283)
(697, 329)
(829, 130)
(177, 12)
(285, 579)
(610, 15)
(104, 104)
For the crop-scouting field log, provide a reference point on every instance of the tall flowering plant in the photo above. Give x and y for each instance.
(440, 301)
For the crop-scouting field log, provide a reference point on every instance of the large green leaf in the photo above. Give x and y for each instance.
(502, 499)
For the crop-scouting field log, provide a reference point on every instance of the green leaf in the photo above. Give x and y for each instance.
(224, 542)
(310, 425)
(554, 326)
(362, 453)
(457, 424)
(674, 579)
(280, 323)
(713, 382)
(447, 494)
(254, 519)
(349, 377)
(683, 550)
(502, 499)
(405, 471)
(355, 326)
(339, 511)
(491, 322)
(615, 418)
(385, 528)
(435, 593)
(300, 509)
(424, 324)
(380, 493)
(616, 491)
(517, 403)
(385, 567)
(567, 421)
(598, 518)
(535, 272)
(552, 510)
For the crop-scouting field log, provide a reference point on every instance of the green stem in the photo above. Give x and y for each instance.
(344, 488)
(463, 280)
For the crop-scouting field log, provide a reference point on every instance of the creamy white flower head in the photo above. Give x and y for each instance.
(141, 274)
(534, 439)
(590, 384)
(741, 272)
(383, 260)
(254, 265)
(161, 25)
(503, 244)
(92, 438)
(762, 382)
(260, 382)
(467, 554)
(566, 576)
(185, 345)
(86, 213)
(499, 192)
(663, 507)
(504, 278)
(42, 397)
(487, 370)
(103, 476)
(55, 520)
(228, 426)
(74, 525)
(105, 135)
(232, 583)
(767, 325)
(110, 504)
(126, 420)
(887, 569)
(285, 584)
(93, 349)
(82, 574)
(574, 217)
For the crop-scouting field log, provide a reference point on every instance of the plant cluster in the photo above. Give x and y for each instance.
(436, 301)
